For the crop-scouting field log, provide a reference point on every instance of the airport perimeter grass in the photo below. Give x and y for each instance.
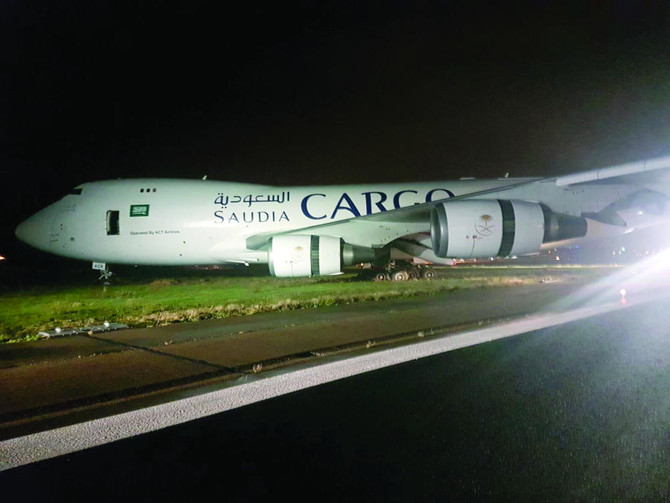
(162, 301)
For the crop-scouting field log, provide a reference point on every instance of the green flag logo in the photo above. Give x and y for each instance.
(139, 210)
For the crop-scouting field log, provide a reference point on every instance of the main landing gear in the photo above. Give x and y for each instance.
(396, 272)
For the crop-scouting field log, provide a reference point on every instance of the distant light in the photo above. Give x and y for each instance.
(106, 324)
(623, 295)
(2, 258)
(558, 258)
(58, 330)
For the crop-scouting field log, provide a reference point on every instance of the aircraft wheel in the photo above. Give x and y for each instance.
(381, 276)
(414, 273)
(429, 274)
(400, 276)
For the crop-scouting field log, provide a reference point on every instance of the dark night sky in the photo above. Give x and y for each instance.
(323, 92)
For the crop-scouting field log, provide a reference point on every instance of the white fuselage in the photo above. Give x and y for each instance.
(156, 221)
(187, 222)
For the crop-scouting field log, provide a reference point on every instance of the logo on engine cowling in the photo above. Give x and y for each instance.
(484, 225)
(298, 254)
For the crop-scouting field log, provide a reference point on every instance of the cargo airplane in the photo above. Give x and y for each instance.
(318, 230)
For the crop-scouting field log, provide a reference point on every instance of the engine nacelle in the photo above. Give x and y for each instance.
(498, 228)
(302, 255)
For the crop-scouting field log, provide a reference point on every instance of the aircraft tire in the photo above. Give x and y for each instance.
(381, 276)
(428, 274)
(400, 276)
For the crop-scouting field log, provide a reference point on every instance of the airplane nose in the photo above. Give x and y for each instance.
(26, 231)
(35, 230)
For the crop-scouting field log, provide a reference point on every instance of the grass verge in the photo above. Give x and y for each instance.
(163, 301)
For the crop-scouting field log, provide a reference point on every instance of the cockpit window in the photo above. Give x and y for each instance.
(76, 191)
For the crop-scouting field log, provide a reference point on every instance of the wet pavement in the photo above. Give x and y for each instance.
(58, 376)
(575, 412)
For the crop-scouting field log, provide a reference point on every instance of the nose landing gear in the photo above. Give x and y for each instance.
(105, 273)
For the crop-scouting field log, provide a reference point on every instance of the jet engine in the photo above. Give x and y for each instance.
(498, 228)
(304, 255)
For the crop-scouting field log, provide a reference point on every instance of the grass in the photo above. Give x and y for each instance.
(163, 301)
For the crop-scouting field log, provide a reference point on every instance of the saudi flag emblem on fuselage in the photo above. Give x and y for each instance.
(139, 210)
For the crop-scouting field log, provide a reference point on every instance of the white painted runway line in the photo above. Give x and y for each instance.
(49, 444)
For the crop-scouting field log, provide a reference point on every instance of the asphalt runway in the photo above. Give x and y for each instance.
(69, 379)
(576, 412)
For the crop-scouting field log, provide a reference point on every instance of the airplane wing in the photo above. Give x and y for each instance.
(378, 229)
(518, 219)
(620, 173)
